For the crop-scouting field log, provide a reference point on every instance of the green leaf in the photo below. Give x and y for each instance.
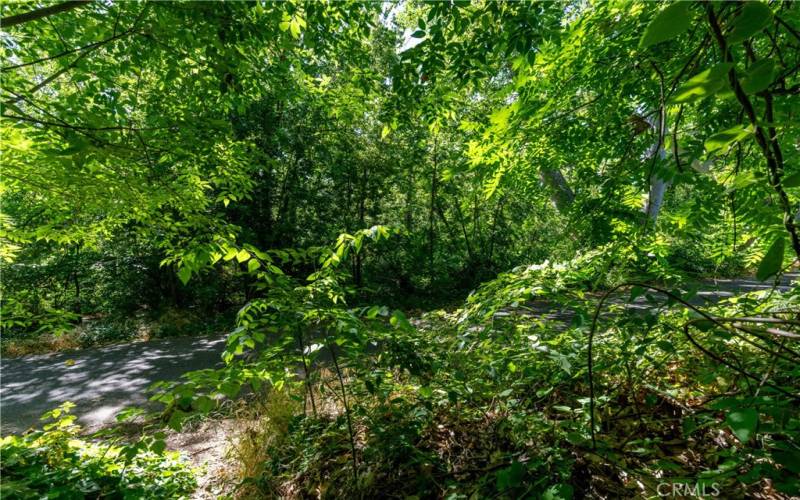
(158, 447)
(636, 292)
(176, 420)
(242, 256)
(759, 76)
(667, 24)
(789, 459)
(230, 254)
(204, 404)
(704, 325)
(743, 423)
(559, 492)
(294, 28)
(510, 477)
(230, 389)
(754, 17)
(399, 321)
(742, 180)
(772, 261)
(253, 265)
(184, 274)
(723, 139)
(666, 346)
(358, 242)
(702, 84)
(792, 181)
(418, 34)
(372, 312)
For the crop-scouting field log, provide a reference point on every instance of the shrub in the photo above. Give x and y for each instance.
(56, 463)
(108, 331)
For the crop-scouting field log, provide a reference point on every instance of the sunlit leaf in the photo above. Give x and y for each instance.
(759, 76)
(723, 139)
(754, 17)
(184, 274)
(704, 84)
(669, 23)
(252, 265)
(772, 261)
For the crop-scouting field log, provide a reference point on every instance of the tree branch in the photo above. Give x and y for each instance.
(768, 144)
(33, 15)
(90, 46)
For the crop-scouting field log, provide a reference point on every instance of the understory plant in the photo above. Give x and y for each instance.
(57, 462)
(497, 398)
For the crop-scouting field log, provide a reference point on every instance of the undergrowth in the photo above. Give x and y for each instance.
(531, 389)
(56, 462)
(492, 401)
(17, 340)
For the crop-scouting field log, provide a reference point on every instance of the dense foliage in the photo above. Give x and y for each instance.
(56, 463)
(559, 175)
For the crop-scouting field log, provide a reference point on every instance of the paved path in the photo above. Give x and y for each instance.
(103, 381)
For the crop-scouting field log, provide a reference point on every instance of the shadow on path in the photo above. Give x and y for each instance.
(100, 381)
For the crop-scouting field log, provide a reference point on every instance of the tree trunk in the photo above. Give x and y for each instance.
(409, 212)
(77, 292)
(561, 194)
(432, 211)
(467, 244)
(76, 281)
(658, 186)
(652, 207)
(357, 272)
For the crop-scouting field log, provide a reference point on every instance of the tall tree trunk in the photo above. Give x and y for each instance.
(655, 199)
(658, 186)
(357, 272)
(76, 281)
(561, 194)
(467, 243)
(409, 208)
(77, 292)
(432, 210)
(496, 218)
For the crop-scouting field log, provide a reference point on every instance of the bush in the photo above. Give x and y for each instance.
(108, 331)
(183, 322)
(56, 463)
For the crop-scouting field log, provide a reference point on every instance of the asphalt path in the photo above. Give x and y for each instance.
(100, 381)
